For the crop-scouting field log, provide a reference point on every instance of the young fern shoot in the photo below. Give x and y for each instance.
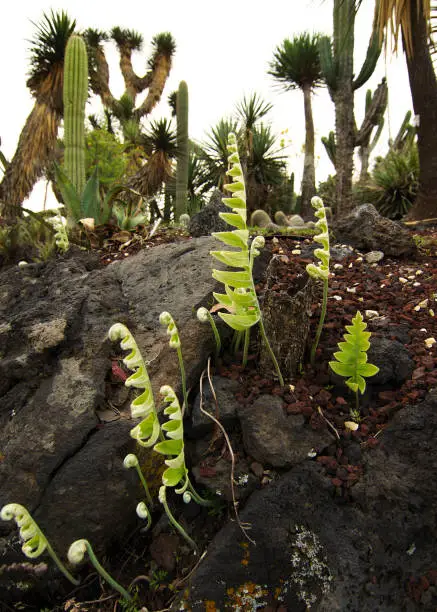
(147, 432)
(76, 554)
(240, 298)
(177, 471)
(321, 270)
(166, 319)
(34, 541)
(351, 360)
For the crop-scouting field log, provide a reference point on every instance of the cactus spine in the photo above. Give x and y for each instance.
(337, 65)
(182, 144)
(75, 95)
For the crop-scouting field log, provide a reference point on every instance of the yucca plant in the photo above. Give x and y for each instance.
(394, 182)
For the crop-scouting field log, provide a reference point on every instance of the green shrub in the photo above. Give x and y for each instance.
(394, 183)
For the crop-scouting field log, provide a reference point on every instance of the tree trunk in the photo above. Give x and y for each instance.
(35, 148)
(309, 173)
(345, 139)
(423, 85)
(344, 24)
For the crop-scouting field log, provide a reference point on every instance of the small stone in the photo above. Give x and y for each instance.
(257, 469)
(374, 256)
(338, 266)
(403, 280)
(429, 342)
(371, 314)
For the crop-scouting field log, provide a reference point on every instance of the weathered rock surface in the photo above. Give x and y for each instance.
(58, 459)
(365, 229)
(275, 439)
(313, 551)
(207, 220)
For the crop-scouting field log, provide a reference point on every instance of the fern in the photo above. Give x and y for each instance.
(240, 298)
(351, 360)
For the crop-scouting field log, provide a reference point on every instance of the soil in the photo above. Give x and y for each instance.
(404, 295)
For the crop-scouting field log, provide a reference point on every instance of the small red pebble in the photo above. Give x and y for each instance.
(340, 401)
(336, 482)
(118, 372)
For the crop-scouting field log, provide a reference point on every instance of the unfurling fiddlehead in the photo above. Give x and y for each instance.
(76, 554)
(35, 542)
(240, 298)
(167, 320)
(205, 316)
(321, 270)
(176, 472)
(147, 432)
(131, 461)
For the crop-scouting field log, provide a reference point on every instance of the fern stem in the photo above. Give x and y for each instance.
(174, 522)
(197, 498)
(104, 574)
(144, 483)
(321, 322)
(246, 345)
(60, 565)
(183, 377)
(271, 353)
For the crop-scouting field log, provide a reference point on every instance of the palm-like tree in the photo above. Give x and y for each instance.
(160, 147)
(215, 152)
(296, 65)
(412, 19)
(37, 140)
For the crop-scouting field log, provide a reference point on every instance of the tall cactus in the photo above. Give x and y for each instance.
(405, 134)
(374, 118)
(336, 60)
(75, 95)
(182, 147)
(330, 147)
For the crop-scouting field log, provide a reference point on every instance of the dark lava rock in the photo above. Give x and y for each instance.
(366, 230)
(207, 220)
(376, 553)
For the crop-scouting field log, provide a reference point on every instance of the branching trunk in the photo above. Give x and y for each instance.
(309, 174)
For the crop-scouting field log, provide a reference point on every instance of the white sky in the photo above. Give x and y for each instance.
(223, 52)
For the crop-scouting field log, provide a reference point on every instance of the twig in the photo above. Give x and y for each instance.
(231, 452)
(330, 425)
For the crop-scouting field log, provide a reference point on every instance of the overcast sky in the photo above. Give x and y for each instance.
(223, 52)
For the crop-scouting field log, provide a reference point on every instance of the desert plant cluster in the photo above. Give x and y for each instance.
(123, 175)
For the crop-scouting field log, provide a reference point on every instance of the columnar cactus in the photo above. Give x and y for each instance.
(182, 144)
(336, 59)
(75, 95)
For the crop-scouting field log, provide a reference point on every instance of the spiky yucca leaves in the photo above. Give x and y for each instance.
(160, 145)
(215, 152)
(394, 183)
(147, 432)
(321, 270)
(351, 360)
(240, 297)
(251, 110)
(396, 16)
(34, 541)
(37, 141)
